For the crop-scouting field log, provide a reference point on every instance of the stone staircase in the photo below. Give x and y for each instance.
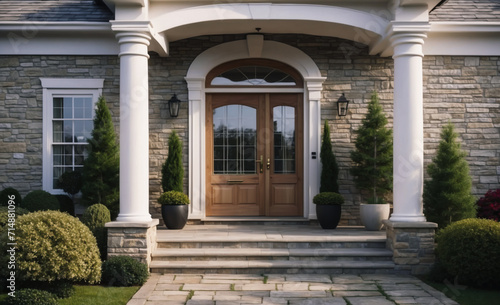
(270, 248)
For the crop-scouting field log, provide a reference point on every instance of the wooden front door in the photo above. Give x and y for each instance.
(254, 154)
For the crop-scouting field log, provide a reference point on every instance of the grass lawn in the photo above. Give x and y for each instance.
(98, 295)
(467, 295)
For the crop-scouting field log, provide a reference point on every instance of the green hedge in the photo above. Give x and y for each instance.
(31, 297)
(4, 196)
(470, 250)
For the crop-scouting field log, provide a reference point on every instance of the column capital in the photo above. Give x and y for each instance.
(133, 37)
(407, 38)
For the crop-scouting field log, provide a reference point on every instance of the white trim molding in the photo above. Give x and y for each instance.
(226, 52)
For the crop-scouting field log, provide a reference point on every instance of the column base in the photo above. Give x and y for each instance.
(134, 239)
(133, 218)
(412, 244)
(407, 218)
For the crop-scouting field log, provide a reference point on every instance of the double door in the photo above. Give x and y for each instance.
(254, 155)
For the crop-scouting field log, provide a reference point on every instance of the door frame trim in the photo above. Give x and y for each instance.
(313, 84)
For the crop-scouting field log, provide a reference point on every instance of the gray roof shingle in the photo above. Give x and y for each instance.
(54, 10)
(467, 10)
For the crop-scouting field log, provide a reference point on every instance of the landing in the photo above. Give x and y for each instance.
(265, 232)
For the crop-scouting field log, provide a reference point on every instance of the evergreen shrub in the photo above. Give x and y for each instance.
(328, 198)
(372, 157)
(124, 271)
(31, 297)
(447, 194)
(172, 170)
(329, 166)
(469, 250)
(60, 289)
(71, 182)
(4, 196)
(40, 201)
(66, 204)
(54, 246)
(95, 217)
(101, 169)
(173, 198)
(488, 206)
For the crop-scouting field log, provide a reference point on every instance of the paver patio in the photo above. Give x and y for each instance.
(287, 289)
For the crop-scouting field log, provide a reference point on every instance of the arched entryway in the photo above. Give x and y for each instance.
(292, 88)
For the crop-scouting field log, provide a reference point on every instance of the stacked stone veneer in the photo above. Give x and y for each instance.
(412, 244)
(464, 90)
(137, 240)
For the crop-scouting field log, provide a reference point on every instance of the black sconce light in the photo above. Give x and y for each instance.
(173, 106)
(342, 105)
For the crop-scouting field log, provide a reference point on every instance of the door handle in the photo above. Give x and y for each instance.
(261, 161)
(268, 163)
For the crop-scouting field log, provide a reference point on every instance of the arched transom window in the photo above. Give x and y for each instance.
(254, 73)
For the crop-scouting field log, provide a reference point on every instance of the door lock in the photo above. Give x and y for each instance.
(268, 163)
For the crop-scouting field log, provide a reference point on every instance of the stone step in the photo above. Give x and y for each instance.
(249, 241)
(218, 254)
(272, 266)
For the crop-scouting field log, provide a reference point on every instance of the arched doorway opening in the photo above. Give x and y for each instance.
(217, 77)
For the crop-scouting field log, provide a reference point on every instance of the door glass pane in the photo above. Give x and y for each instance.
(284, 139)
(235, 140)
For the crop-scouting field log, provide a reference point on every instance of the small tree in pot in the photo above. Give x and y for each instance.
(372, 168)
(174, 202)
(328, 201)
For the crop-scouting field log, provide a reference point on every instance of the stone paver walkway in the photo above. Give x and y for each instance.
(286, 289)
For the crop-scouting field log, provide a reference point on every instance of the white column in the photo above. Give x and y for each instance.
(312, 142)
(134, 38)
(408, 126)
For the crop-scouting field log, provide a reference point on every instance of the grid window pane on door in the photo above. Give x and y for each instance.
(72, 126)
(235, 140)
(284, 139)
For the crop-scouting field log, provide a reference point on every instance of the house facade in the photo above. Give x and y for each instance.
(257, 80)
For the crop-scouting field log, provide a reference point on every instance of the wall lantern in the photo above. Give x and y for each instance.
(342, 105)
(173, 106)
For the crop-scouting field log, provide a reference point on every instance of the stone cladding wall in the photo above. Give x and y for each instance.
(465, 90)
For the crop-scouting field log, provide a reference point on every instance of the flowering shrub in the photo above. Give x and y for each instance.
(54, 246)
(489, 205)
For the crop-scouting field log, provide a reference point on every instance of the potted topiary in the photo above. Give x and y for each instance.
(174, 209)
(174, 202)
(328, 209)
(372, 168)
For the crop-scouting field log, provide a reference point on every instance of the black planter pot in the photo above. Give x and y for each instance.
(175, 216)
(328, 215)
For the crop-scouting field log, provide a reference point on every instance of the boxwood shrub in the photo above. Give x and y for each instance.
(173, 198)
(470, 250)
(31, 297)
(40, 201)
(54, 246)
(66, 204)
(124, 271)
(95, 217)
(328, 198)
(4, 196)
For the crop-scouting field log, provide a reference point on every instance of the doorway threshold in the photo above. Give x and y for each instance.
(214, 220)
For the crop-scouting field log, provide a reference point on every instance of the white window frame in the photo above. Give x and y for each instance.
(59, 87)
